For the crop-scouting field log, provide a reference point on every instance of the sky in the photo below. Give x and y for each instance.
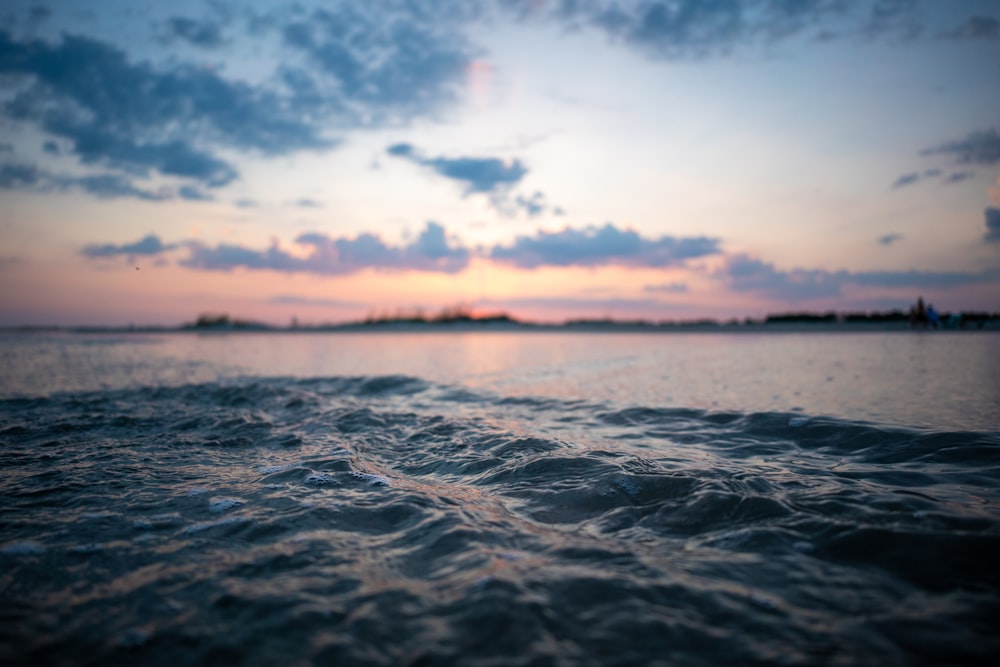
(551, 159)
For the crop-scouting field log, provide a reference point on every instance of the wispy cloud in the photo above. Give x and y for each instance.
(890, 239)
(992, 225)
(977, 28)
(203, 34)
(487, 175)
(148, 245)
(601, 246)
(430, 251)
(982, 147)
(743, 273)
(19, 176)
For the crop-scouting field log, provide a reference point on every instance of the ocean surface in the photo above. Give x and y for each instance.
(500, 498)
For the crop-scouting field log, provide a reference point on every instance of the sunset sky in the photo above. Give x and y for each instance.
(662, 159)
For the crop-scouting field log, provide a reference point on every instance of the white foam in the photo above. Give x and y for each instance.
(373, 480)
(319, 479)
(205, 525)
(218, 505)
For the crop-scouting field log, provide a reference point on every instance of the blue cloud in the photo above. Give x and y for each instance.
(430, 251)
(148, 245)
(137, 118)
(204, 34)
(377, 67)
(889, 239)
(976, 28)
(15, 176)
(747, 274)
(601, 246)
(992, 225)
(478, 174)
(982, 147)
(959, 176)
(684, 29)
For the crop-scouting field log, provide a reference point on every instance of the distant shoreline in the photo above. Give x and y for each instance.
(518, 327)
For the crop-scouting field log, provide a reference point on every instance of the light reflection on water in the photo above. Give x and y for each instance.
(942, 380)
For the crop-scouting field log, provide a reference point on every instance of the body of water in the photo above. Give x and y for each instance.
(499, 498)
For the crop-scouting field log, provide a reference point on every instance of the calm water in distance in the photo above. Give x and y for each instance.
(939, 380)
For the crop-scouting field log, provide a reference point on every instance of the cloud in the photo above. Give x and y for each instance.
(16, 176)
(667, 288)
(958, 176)
(977, 27)
(913, 177)
(477, 174)
(746, 274)
(686, 29)
(305, 202)
(204, 34)
(6, 148)
(246, 203)
(293, 300)
(191, 193)
(982, 147)
(601, 246)
(992, 225)
(377, 63)
(889, 239)
(148, 245)
(575, 304)
(430, 251)
(138, 118)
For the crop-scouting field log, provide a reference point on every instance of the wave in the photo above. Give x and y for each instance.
(391, 520)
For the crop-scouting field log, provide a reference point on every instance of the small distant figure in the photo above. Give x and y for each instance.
(932, 317)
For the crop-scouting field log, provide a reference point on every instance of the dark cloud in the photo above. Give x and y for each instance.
(981, 147)
(477, 174)
(137, 118)
(377, 63)
(204, 34)
(601, 246)
(683, 29)
(14, 176)
(111, 186)
(431, 251)
(977, 27)
(747, 274)
(6, 148)
(889, 239)
(149, 245)
(246, 203)
(992, 225)
(959, 176)
(913, 177)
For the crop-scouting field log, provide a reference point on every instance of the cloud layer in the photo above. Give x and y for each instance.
(601, 246)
